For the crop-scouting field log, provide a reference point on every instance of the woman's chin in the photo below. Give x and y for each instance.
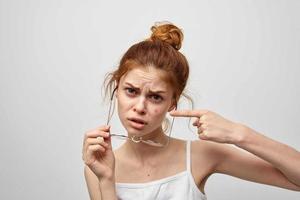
(133, 131)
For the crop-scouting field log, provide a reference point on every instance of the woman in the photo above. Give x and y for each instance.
(150, 79)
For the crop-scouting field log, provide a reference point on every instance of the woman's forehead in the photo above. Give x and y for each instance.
(148, 76)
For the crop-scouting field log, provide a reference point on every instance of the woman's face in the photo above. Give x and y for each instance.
(143, 100)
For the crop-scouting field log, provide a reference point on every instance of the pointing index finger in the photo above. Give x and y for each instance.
(187, 113)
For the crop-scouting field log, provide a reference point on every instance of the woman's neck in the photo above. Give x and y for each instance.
(144, 153)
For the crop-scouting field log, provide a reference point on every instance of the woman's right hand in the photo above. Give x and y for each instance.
(97, 152)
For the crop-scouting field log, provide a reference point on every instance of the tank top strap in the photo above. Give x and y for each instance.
(188, 155)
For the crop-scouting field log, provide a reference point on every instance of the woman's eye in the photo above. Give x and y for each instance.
(156, 98)
(130, 91)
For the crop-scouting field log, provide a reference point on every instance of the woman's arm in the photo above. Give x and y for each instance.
(282, 157)
(99, 160)
(266, 161)
(92, 184)
(241, 164)
(104, 189)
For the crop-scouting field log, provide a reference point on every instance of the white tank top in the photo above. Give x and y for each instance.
(176, 187)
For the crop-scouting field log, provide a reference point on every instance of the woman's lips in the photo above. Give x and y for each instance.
(135, 124)
(138, 120)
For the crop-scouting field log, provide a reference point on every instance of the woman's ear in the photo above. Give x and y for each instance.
(173, 106)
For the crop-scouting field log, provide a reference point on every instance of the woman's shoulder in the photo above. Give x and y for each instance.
(176, 142)
(208, 153)
(205, 146)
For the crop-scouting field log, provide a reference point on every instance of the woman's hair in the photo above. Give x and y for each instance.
(160, 51)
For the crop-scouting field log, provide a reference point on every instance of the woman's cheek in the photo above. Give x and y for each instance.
(158, 114)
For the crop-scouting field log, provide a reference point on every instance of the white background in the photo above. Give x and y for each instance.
(244, 59)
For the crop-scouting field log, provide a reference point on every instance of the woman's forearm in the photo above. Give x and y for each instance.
(281, 156)
(108, 189)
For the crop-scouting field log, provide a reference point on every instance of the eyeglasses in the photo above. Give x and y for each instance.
(134, 138)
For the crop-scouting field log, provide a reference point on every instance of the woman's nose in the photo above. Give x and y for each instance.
(140, 106)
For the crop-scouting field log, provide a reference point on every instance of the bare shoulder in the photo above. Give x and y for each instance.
(210, 153)
(179, 144)
(205, 158)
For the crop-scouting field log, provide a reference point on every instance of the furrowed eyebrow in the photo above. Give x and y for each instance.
(132, 86)
(159, 91)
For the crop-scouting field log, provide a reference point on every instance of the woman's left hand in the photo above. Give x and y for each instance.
(212, 126)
